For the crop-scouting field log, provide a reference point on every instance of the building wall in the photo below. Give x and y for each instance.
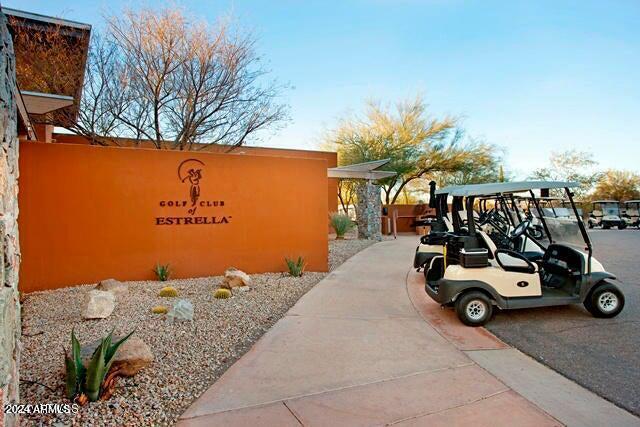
(90, 213)
(9, 249)
(330, 157)
(407, 214)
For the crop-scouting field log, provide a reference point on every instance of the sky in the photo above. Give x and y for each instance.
(532, 77)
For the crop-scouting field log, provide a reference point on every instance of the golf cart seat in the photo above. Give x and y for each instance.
(439, 226)
(435, 238)
(562, 260)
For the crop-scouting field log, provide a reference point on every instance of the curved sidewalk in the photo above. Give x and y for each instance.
(356, 351)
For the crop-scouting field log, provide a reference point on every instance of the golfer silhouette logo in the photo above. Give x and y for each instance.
(190, 171)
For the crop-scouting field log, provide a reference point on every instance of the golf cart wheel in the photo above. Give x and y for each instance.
(605, 301)
(622, 226)
(474, 308)
(590, 224)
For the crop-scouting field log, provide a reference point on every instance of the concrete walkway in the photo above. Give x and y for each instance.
(366, 347)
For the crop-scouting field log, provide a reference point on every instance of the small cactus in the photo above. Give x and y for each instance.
(168, 292)
(159, 309)
(222, 293)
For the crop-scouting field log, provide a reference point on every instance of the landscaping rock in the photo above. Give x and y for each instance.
(132, 356)
(117, 288)
(234, 278)
(98, 304)
(182, 310)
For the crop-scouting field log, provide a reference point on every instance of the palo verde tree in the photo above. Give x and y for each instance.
(418, 145)
(617, 185)
(175, 81)
(571, 165)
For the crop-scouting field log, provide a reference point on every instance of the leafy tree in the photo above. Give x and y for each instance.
(617, 185)
(571, 165)
(417, 144)
(346, 194)
(485, 166)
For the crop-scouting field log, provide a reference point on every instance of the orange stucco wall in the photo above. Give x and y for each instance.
(88, 213)
(330, 157)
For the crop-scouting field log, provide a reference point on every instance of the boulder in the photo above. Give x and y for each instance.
(98, 304)
(117, 288)
(132, 356)
(181, 310)
(234, 278)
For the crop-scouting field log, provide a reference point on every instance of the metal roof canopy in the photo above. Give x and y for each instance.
(502, 187)
(45, 18)
(81, 32)
(366, 170)
(43, 103)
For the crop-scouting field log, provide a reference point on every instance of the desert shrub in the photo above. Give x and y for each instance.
(92, 382)
(296, 267)
(222, 293)
(341, 223)
(168, 292)
(162, 272)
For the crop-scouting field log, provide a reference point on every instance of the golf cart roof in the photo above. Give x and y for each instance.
(632, 201)
(502, 187)
(604, 201)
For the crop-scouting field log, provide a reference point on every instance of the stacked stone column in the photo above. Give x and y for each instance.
(9, 247)
(369, 210)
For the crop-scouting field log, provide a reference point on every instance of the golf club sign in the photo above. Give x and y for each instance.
(190, 173)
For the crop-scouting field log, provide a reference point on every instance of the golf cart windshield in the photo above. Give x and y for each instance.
(562, 212)
(568, 230)
(565, 229)
(610, 209)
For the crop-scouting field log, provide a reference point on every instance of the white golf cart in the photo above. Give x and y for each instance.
(473, 274)
(606, 214)
(631, 213)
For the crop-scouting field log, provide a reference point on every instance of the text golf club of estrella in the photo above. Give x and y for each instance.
(190, 173)
(192, 220)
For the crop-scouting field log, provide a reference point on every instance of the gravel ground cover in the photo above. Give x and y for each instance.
(189, 356)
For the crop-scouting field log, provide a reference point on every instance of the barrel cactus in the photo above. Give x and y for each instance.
(222, 293)
(168, 292)
(159, 309)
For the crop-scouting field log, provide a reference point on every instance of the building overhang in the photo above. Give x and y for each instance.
(63, 79)
(366, 170)
(24, 121)
(43, 103)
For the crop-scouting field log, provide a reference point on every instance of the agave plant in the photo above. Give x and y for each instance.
(296, 267)
(88, 383)
(163, 272)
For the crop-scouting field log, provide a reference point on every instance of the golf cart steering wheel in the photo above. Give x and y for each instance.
(520, 229)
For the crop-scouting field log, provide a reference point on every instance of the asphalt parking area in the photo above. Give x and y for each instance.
(603, 355)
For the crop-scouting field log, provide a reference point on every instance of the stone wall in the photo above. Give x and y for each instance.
(9, 247)
(368, 211)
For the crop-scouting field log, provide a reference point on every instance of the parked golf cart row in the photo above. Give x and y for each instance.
(485, 251)
(608, 214)
(604, 213)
